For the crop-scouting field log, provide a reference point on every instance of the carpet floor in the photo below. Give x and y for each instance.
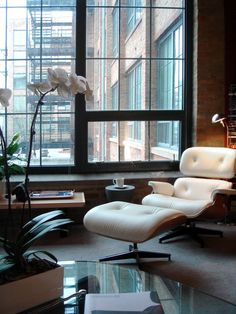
(211, 269)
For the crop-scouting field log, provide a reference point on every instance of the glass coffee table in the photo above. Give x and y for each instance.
(107, 278)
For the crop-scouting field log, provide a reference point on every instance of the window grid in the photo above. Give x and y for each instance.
(145, 108)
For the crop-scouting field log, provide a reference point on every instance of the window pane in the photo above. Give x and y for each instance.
(102, 75)
(19, 103)
(115, 32)
(18, 3)
(167, 71)
(41, 2)
(37, 40)
(135, 33)
(2, 3)
(117, 141)
(58, 33)
(131, 18)
(103, 141)
(53, 140)
(135, 3)
(130, 141)
(134, 84)
(169, 3)
(171, 20)
(100, 32)
(164, 140)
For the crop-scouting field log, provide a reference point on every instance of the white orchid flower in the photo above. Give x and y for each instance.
(79, 84)
(88, 93)
(5, 95)
(68, 85)
(39, 88)
(59, 79)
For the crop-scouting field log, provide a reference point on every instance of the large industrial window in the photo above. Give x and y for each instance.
(136, 56)
(170, 83)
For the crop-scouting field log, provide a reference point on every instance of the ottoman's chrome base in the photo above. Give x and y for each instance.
(136, 254)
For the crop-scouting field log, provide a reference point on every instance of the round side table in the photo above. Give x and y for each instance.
(114, 193)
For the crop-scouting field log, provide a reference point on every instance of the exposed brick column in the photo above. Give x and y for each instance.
(209, 71)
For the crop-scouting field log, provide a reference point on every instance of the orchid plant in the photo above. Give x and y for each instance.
(66, 85)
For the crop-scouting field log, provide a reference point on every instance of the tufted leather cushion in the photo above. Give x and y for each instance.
(198, 188)
(131, 222)
(191, 208)
(192, 195)
(214, 162)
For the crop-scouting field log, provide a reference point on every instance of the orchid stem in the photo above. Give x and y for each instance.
(32, 134)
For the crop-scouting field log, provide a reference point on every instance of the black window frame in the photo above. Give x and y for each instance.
(83, 117)
(184, 116)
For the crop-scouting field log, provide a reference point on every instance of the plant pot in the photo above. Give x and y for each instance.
(29, 292)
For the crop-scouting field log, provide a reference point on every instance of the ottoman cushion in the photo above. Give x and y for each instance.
(131, 222)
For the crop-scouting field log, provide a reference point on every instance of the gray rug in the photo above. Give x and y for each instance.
(211, 269)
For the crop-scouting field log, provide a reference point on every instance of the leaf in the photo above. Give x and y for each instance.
(16, 137)
(1, 160)
(1, 173)
(42, 229)
(12, 148)
(10, 247)
(14, 145)
(4, 265)
(50, 255)
(16, 169)
(38, 220)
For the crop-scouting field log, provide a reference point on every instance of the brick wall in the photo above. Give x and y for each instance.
(209, 71)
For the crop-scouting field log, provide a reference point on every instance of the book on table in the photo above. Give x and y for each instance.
(37, 195)
(146, 302)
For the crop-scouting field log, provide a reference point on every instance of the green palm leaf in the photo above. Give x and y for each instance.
(33, 230)
(35, 253)
(5, 264)
(14, 145)
(27, 240)
(32, 224)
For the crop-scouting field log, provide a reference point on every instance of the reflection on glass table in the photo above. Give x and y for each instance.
(106, 278)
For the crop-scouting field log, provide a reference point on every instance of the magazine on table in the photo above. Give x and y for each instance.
(37, 195)
(146, 302)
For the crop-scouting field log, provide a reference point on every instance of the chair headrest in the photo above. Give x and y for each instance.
(209, 162)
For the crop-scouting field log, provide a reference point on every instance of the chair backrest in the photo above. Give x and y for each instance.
(209, 162)
(198, 188)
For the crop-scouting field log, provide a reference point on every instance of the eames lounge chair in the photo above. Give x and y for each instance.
(201, 193)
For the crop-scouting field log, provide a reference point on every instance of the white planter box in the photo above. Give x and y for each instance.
(26, 293)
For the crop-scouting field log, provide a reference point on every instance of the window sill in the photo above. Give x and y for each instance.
(98, 177)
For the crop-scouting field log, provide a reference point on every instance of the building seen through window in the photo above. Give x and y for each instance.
(133, 53)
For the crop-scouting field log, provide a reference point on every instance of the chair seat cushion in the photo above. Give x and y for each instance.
(191, 208)
(131, 222)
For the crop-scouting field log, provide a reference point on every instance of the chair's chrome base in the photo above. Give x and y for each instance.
(136, 254)
(192, 231)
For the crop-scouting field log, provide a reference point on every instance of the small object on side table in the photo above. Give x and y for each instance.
(115, 193)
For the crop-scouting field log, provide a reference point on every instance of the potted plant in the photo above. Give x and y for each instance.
(19, 266)
(13, 162)
(25, 273)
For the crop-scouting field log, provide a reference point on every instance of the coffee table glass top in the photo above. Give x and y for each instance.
(105, 278)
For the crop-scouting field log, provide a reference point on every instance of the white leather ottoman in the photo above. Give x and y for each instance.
(132, 223)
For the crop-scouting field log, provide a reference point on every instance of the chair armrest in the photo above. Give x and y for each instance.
(226, 192)
(161, 187)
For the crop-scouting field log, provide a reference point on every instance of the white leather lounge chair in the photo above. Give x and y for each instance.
(201, 193)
